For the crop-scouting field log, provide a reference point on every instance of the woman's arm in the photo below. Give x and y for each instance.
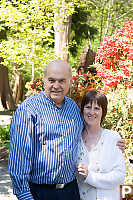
(106, 180)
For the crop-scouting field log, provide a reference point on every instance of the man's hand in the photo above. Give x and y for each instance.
(121, 145)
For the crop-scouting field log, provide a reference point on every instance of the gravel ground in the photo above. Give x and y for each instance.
(5, 181)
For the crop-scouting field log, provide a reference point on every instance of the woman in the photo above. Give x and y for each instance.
(101, 167)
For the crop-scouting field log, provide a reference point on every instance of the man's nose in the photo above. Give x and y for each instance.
(56, 84)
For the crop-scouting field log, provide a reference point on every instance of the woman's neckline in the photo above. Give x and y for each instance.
(97, 142)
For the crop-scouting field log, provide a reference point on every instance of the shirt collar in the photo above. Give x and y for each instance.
(49, 100)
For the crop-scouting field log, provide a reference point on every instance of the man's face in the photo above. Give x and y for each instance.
(57, 82)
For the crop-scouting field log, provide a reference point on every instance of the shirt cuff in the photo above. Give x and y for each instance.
(25, 196)
(88, 179)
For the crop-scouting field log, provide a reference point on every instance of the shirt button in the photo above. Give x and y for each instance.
(98, 169)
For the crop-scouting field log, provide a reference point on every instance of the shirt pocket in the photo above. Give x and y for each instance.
(48, 131)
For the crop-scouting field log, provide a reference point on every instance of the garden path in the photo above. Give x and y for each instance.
(5, 181)
(5, 119)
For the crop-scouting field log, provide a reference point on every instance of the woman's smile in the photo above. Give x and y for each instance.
(92, 113)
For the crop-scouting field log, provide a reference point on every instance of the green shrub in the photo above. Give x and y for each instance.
(4, 133)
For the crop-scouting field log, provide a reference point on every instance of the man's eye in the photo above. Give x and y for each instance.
(51, 81)
(62, 81)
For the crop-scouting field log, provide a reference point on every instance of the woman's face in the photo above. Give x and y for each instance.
(92, 114)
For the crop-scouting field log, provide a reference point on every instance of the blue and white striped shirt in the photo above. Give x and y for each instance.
(43, 143)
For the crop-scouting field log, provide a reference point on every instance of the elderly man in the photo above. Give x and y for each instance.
(44, 134)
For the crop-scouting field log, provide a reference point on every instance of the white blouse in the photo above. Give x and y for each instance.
(106, 166)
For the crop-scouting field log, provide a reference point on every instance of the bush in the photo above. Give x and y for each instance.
(4, 133)
(119, 117)
(35, 86)
(115, 58)
(114, 63)
(81, 83)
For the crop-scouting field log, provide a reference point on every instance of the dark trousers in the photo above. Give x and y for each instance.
(49, 192)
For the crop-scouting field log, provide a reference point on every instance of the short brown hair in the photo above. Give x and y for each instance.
(95, 96)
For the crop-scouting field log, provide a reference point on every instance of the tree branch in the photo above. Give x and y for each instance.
(124, 14)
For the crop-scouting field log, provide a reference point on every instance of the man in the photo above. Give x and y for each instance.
(44, 134)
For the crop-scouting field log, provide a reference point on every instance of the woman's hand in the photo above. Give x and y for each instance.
(121, 145)
(82, 170)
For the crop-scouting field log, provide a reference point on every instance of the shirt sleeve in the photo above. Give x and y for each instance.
(20, 153)
(110, 178)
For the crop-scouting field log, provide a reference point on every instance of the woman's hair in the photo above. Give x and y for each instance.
(95, 96)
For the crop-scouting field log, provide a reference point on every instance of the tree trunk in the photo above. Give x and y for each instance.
(6, 99)
(87, 58)
(62, 26)
(18, 89)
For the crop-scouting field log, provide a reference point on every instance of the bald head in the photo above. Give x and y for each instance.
(58, 64)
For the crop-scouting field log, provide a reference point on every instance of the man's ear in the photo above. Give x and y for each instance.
(44, 81)
(70, 82)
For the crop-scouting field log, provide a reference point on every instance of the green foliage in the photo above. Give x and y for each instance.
(26, 29)
(129, 160)
(80, 29)
(29, 29)
(94, 20)
(29, 26)
(120, 112)
(29, 36)
(4, 133)
(106, 16)
(120, 118)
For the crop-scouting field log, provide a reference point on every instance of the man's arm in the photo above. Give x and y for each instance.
(121, 145)
(20, 153)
